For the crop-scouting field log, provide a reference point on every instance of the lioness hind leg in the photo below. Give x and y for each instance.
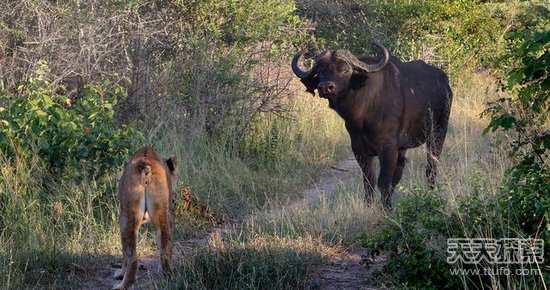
(164, 239)
(129, 229)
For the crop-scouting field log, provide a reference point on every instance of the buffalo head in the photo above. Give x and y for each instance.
(335, 72)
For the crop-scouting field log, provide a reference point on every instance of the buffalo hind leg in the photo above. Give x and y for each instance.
(388, 163)
(434, 147)
(436, 138)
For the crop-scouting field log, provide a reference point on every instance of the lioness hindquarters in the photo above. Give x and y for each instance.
(145, 193)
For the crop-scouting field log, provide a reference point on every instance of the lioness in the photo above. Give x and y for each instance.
(146, 194)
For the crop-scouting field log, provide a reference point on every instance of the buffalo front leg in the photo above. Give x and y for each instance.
(369, 179)
(367, 167)
(388, 163)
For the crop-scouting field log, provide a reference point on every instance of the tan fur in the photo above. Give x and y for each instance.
(146, 194)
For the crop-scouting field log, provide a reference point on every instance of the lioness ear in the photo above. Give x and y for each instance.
(172, 163)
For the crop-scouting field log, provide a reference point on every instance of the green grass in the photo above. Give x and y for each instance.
(275, 162)
(46, 232)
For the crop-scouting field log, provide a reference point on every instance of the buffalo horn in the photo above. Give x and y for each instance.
(372, 67)
(299, 72)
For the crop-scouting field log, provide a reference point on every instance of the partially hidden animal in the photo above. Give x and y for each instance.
(388, 107)
(146, 195)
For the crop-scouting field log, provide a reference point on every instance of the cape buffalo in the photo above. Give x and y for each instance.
(388, 107)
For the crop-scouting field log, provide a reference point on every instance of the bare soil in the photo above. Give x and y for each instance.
(327, 183)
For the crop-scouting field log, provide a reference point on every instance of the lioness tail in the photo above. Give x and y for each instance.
(145, 170)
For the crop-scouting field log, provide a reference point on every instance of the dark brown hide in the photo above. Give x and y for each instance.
(388, 107)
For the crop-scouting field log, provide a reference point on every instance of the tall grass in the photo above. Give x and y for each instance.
(54, 225)
(277, 159)
(50, 224)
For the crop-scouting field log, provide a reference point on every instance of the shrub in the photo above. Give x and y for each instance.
(415, 240)
(66, 134)
(202, 65)
(524, 115)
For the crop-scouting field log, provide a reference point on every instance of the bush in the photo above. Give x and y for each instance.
(524, 115)
(67, 135)
(202, 65)
(415, 240)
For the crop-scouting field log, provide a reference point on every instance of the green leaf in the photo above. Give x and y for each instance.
(40, 113)
(515, 78)
(43, 144)
(58, 114)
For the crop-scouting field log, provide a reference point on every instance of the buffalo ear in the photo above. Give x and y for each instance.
(357, 81)
(311, 83)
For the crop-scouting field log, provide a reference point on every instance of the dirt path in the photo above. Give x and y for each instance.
(328, 182)
(346, 270)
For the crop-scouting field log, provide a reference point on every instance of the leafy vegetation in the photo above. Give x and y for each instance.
(66, 134)
(525, 115)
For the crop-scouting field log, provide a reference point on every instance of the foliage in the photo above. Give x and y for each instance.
(246, 22)
(416, 236)
(525, 116)
(526, 112)
(452, 34)
(205, 65)
(415, 239)
(66, 134)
